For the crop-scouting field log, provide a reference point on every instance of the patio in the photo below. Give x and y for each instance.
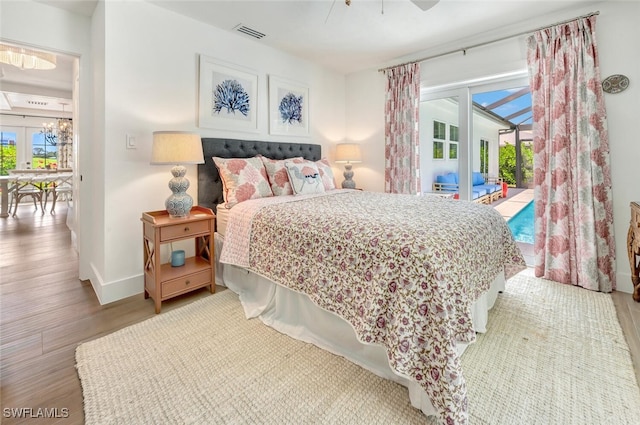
(516, 200)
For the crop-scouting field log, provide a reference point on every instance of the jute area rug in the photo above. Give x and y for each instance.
(553, 354)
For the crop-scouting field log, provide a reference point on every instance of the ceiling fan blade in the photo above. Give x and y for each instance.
(425, 4)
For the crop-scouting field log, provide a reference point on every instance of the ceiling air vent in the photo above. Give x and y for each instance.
(36, 102)
(249, 31)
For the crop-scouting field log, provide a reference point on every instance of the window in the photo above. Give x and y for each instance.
(44, 151)
(7, 152)
(453, 150)
(453, 141)
(484, 157)
(453, 133)
(439, 130)
(438, 150)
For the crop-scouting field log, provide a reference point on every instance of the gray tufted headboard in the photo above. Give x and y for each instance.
(209, 183)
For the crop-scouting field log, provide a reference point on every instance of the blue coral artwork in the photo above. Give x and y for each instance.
(291, 109)
(288, 107)
(231, 97)
(227, 96)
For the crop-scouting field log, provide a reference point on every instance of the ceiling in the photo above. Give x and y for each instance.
(367, 34)
(37, 92)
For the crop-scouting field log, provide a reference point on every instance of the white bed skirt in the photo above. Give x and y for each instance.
(294, 314)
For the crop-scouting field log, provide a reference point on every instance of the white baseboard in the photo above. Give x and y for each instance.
(108, 292)
(623, 282)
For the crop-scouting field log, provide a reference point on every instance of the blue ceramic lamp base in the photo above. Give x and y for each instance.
(179, 204)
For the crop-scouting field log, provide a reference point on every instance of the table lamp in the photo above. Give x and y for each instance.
(177, 147)
(348, 153)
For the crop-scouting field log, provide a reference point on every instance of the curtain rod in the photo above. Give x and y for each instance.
(32, 116)
(464, 49)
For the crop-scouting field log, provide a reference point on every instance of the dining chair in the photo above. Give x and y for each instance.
(61, 188)
(27, 186)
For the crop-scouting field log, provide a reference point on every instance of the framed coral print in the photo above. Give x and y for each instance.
(227, 96)
(288, 107)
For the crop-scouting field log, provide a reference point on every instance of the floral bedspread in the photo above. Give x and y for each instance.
(403, 270)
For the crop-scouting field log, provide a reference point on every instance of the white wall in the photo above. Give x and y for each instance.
(150, 75)
(365, 112)
(486, 129)
(617, 35)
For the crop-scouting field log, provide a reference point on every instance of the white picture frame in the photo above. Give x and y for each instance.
(288, 107)
(227, 96)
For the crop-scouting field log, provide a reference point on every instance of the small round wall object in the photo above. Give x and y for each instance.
(615, 83)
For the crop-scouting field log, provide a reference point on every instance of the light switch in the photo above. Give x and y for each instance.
(131, 141)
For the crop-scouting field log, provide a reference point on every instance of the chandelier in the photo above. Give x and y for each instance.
(60, 133)
(26, 58)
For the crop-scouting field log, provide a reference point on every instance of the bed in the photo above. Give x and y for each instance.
(337, 268)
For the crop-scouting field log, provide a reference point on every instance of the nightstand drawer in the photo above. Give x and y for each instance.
(183, 230)
(186, 283)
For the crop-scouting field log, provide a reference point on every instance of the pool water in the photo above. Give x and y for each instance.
(521, 224)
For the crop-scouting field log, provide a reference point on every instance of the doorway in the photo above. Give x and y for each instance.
(38, 110)
(510, 108)
(491, 120)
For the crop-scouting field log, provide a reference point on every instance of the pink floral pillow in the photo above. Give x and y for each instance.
(277, 174)
(304, 177)
(326, 174)
(242, 179)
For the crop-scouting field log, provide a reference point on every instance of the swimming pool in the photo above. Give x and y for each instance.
(521, 224)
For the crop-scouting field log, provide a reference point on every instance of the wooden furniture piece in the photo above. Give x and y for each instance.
(633, 246)
(162, 281)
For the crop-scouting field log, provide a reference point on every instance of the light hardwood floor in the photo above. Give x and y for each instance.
(46, 311)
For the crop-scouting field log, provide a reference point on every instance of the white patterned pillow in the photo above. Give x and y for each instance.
(326, 174)
(277, 174)
(304, 177)
(242, 179)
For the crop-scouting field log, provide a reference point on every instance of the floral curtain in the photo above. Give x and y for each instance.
(402, 158)
(573, 203)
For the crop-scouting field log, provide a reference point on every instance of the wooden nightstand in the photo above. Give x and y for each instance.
(162, 281)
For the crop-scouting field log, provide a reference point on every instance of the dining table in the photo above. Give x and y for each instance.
(40, 177)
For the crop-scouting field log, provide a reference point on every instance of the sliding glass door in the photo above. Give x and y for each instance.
(460, 133)
(502, 124)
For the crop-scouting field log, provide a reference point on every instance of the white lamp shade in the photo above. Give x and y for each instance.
(176, 147)
(348, 153)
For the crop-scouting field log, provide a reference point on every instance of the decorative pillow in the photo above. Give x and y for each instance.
(326, 174)
(242, 179)
(304, 177)
(277, 174)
